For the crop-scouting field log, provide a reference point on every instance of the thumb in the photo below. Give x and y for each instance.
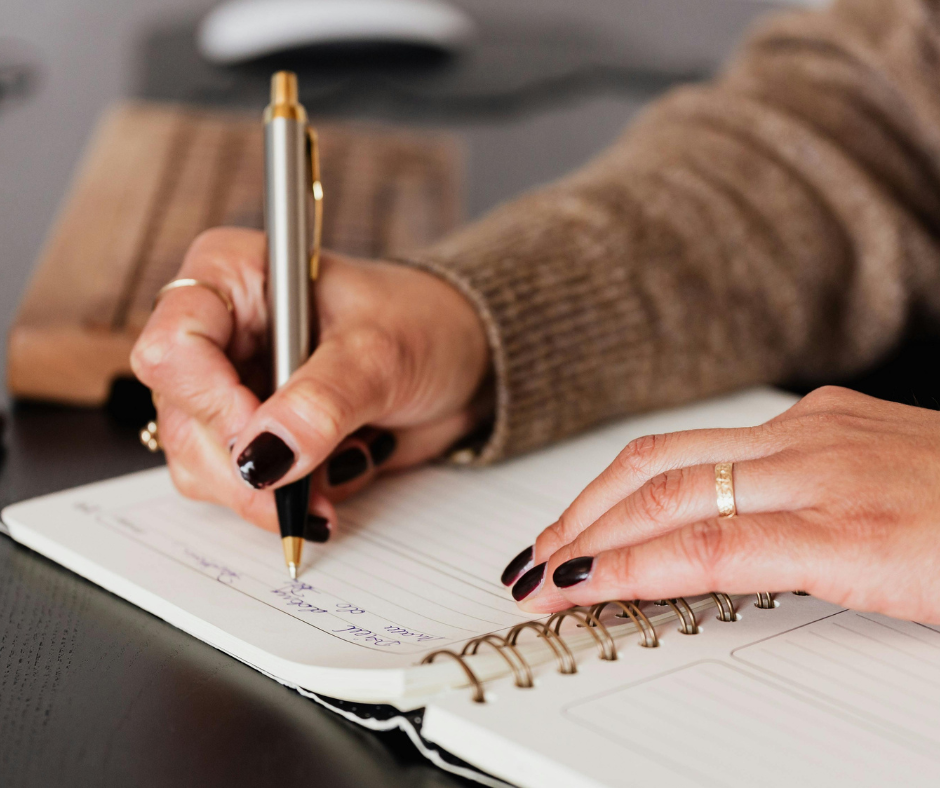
(345, 383)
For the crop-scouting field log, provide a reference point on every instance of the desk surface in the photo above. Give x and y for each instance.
(92, 690)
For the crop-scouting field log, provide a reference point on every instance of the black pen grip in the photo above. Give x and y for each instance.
(292, 501)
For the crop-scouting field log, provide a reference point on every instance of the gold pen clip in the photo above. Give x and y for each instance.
(317, 189)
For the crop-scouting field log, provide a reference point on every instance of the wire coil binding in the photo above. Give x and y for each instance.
(683, 610)
(590, 620)
(632, 611)
(725, 605)
(566, 661)
(765, 601)
(517, 664)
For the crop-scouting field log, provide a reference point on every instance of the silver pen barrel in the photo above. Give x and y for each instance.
(286, 195)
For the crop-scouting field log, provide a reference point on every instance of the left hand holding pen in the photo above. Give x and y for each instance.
(839, 496)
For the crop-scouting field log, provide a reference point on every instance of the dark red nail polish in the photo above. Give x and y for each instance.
(530, 581)
(572, 572)
(381, 447)
(265, 460)
(517, 566)
(346, 466)
(316, 528)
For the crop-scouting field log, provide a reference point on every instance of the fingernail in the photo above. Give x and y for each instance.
(517, 566)
(572, 572)
(265, 460)
(529, 582)
(381, 447)
(346, 466)
(316, 528)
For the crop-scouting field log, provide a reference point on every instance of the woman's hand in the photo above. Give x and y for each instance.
(839, 496)
(400, 350)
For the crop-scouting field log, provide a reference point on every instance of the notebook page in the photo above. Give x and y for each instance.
(415, 566)
(884, 670)
(692, 712)
(367, 600)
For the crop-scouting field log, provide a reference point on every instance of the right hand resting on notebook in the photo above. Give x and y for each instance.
(400, 350)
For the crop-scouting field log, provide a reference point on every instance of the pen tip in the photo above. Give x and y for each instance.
(293, 549)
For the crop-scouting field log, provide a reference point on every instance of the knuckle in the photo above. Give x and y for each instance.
(210, 242)
(211, 236)
(322, 408)
(638, 455)
(554, 537)
(704, 546)
(380, 353)
(209, 408)
(148, 353)
(659, 498)
(827, 396)
(616, 570)
(828, 421)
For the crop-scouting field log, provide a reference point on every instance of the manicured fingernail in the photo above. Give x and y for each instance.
(265, 460)
(517, 566)
(316, 528)
(346, 466)
(381, 447)
(572, 572)
(529, 582)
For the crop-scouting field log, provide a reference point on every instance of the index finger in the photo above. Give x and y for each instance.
(646, 458)
(774, 551)
(181, 352)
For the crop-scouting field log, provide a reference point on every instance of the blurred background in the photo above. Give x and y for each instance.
(538, 87)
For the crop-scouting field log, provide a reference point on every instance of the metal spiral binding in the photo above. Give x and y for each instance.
(520, 668)
(765, 601)
(726, 611)
(632, 611)
(566, 660)
(687, 623)
(605, 643)
(590, 621)
(474, 681)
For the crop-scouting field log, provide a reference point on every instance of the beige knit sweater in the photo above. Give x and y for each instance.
(779, 223)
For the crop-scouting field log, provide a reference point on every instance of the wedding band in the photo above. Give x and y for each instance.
(177, 283)
(150, 437)
(724, 486)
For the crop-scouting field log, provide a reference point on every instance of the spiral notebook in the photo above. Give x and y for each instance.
(400, 621)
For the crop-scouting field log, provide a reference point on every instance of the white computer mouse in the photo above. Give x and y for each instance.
(241, 30)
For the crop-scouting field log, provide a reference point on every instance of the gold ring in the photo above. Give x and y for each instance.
(724, 485)
(150, 437)
(177, 283)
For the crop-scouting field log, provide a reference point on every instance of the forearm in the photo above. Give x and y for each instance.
(769, 225)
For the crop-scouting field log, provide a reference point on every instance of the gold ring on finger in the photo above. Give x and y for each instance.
(724, 486)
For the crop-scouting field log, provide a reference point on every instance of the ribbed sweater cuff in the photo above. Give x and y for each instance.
(565, 334)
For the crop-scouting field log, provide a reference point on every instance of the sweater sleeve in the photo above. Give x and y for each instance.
(778, 223)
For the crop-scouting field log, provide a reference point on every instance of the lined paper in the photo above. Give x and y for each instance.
(415, 566)
(718, 726)
(884, 670)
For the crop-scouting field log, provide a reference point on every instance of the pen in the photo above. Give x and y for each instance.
(291, 182)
